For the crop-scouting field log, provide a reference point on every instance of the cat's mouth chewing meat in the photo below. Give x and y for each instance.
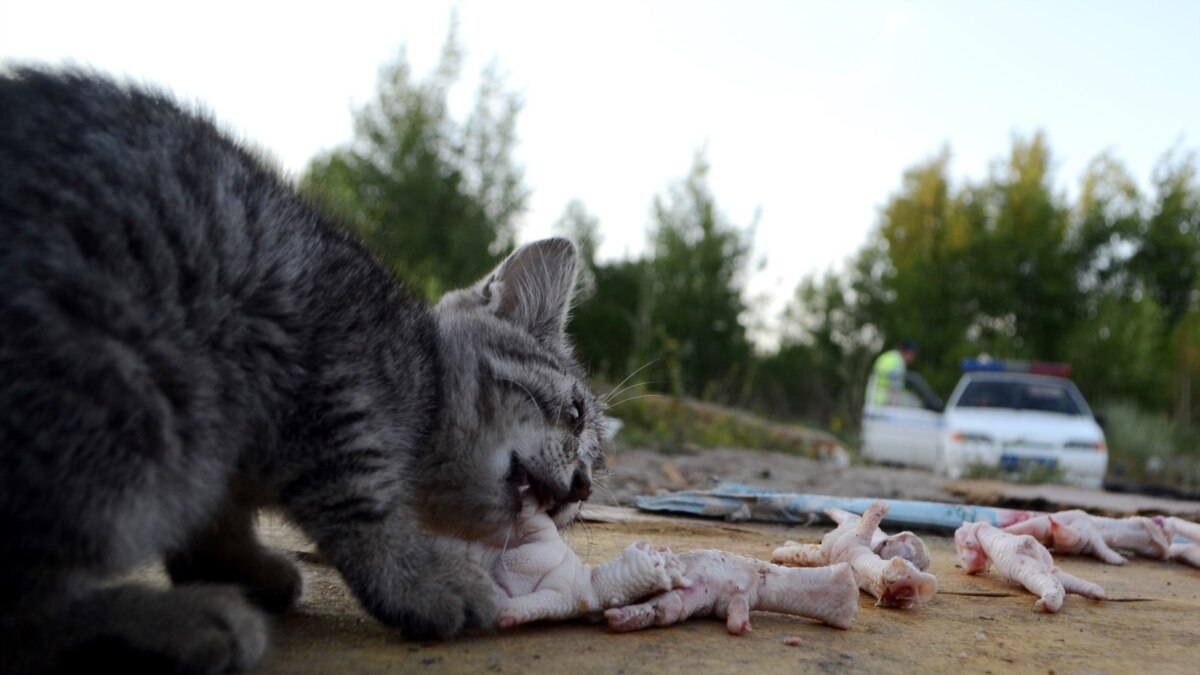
(551, 498)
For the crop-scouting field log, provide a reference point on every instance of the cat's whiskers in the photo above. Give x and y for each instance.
(613, 394)
(634, 398)
(607, 397)
(504, 549)
(569, 531)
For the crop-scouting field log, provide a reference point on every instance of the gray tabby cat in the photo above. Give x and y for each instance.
(184, 341)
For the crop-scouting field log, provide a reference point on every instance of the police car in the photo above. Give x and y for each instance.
(1014, 415)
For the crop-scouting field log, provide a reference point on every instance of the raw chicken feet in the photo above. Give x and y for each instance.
(538, 576)
(897, 580)
(1079, 533)
(729, 586)
(1184, 553)
(1022, 559)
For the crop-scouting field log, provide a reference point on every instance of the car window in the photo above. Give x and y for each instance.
(1048, 398)
(989, 395)
(1043, 397)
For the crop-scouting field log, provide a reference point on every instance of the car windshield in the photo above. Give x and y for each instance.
(1040, 396)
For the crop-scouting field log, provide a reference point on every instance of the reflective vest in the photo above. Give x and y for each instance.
(889, 376)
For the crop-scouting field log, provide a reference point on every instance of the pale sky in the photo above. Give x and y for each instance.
(810, 111)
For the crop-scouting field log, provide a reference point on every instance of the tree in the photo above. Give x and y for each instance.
(1167, 263)
(1024, 262)
(1117, 347)
(582, 228)
(824, 356)
(1168, 257)
(696, 273)
(1107, 219)
(914, 280)
(436, 199)
(607, 319)
(1007, 267)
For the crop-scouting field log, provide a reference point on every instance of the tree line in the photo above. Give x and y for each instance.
(1108, 280)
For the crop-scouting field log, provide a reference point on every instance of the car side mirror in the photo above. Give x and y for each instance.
(1101, 420)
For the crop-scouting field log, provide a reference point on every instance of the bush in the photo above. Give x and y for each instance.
(1148, 447)
(671, 424)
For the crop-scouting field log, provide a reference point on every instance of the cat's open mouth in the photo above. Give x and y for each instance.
(552, 500)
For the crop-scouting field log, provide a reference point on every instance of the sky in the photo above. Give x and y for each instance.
(808, 112)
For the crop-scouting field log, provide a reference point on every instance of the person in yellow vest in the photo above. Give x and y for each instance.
(889, 371)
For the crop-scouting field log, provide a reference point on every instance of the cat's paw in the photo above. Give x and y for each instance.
(434, 592)
(194, 629)
(270, 579)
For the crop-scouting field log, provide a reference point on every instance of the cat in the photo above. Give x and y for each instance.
(185, 340)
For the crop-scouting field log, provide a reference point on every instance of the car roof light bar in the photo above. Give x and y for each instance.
(988, 365)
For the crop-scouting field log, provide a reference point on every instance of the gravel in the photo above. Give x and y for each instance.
(645, 471)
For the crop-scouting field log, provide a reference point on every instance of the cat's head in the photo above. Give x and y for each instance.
(519, 414)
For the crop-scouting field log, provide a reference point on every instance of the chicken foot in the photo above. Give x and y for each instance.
(897, 581)
(729, 586)
(1022, 559)
(1077, 532)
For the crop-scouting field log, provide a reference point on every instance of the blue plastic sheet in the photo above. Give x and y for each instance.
(734, 501)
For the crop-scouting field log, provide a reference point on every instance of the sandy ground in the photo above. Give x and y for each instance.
(637, 471)
(975, 624)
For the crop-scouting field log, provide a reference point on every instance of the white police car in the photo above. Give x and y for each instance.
(1013, 415)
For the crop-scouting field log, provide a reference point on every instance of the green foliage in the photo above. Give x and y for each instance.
(1033, 474)
(695, 299)
(1118, 348)
(435, 198)
(1167, 261)
(1003, 265)
(675, 317)
(672, 424)
(1150, 447)
(582, 228)
(1007, 267)
(611, 328)
(825, 343)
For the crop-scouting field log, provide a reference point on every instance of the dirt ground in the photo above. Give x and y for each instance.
(974, 624)
(638, 471)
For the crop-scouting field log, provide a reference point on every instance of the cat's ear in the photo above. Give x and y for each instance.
(533, 287)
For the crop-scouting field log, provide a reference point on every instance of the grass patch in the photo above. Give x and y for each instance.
(1151, 448)
(1032, 474)
(671, 424)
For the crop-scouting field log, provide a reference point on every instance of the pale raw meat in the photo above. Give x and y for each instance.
(729, 586)
(1184, 553)
(894, 582)
(1188, 554)
(1079, 533)
(538, 576)
(902, 545)
(1138, 534)
(1173, 526)
(1022, 559)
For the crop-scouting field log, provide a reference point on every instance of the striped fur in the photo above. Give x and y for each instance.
(184, 341)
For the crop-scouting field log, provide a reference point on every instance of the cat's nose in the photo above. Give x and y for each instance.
(581, 487)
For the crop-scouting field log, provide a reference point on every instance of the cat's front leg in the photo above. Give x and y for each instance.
(425, 585)
(228, 551)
